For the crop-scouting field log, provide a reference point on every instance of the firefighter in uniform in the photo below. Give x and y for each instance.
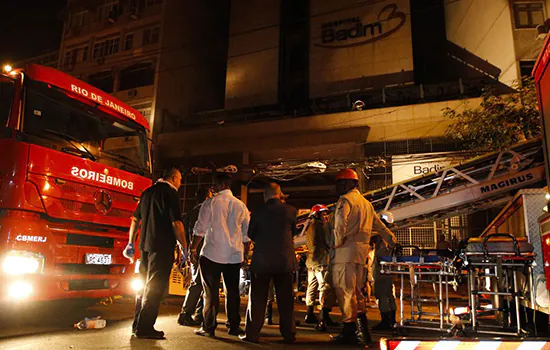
(383, 284)
(319, 241)
(353, 222)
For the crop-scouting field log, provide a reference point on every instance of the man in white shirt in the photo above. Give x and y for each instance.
(223, 224)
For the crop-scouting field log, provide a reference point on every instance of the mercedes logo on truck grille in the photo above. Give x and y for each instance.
(103, 201)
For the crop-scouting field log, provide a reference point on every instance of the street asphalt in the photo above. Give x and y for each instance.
(50, 327)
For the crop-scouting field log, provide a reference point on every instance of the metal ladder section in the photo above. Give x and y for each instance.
(477, 184)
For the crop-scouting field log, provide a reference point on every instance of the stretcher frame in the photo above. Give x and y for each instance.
(420, 272)
(493, 266)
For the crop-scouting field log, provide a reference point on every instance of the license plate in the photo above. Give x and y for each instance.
(98, 259)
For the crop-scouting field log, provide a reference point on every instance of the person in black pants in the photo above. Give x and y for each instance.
(272, 228)
(223, 224)
(193, 303)
(159, 213)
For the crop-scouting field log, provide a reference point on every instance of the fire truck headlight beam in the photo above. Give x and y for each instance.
(21, 262)
(7, 68)
(137, 285)
(19, 290)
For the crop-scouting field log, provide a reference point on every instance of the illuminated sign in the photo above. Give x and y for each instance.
(101, 178)
(409, 166)
(102, 100)
(352, 31)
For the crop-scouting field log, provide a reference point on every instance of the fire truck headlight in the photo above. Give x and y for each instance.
(17, 262)
(137, 285)
(19, 290)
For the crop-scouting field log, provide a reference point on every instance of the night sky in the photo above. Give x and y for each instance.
(29, 28)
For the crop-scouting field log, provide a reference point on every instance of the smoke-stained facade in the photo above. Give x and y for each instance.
(341, 82)
(253, 57)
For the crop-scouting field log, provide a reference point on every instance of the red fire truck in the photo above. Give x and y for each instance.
(73, 163)
(542, 79)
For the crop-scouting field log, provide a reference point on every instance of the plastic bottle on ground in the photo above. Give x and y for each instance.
(91, 323)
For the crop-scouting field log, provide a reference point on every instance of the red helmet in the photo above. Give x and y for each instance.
(347, 174)
(317, 208)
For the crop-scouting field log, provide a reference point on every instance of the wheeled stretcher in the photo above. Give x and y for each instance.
(423, 267)
(499, 268)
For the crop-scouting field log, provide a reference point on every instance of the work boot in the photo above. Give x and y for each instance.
(310, 316)
(269, 314)
(325, 321)
(348, 335)
(385, 323)
(326, 317)
(363, 334)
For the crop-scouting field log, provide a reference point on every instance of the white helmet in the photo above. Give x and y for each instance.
(387, 216)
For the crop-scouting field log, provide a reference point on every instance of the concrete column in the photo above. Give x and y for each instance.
(360, 154)
(362, 180)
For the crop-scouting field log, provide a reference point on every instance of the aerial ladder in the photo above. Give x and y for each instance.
(480, 183)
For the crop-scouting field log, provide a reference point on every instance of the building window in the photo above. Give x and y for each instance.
(145, 109)
(84, 53)
(78, 19)
(133, 6)
(111, 46)
(152, 2)
(151, 36)
(129, 41)
(142, 74)
(106, 47)
(102, 80)
(69, 58)
(98, 50)
(108, 9)
(526, 67)
(528, 15)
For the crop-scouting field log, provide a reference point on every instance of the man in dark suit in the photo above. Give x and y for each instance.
(272, 227)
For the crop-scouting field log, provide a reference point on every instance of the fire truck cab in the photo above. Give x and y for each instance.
(74, 162)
